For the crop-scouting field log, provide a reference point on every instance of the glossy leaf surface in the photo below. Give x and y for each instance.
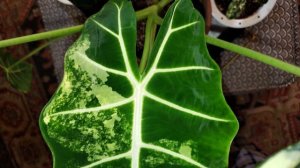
(19, 75)
(106, 114)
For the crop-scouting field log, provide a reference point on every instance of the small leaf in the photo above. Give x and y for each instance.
(106, 114)
(19, 75)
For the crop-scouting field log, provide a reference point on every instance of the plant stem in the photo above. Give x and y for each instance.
(152, 20)
(254, 55)
(40, 36)
(157, 19)
(33, 52)
(153, 9)
(142, 14)
(163, 3)
(149, 40)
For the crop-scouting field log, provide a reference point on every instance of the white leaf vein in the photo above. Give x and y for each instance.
(185, 110)
(169, 32)
(109, 159)
(130, 75)
(102, 67)
(105, 28)
(173, 14)
(183, 26)
(94, 109)
(119, 7)
(172, 153)
(179, 69)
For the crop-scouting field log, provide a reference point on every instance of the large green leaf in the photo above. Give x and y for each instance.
(18, 74)
(106, 114)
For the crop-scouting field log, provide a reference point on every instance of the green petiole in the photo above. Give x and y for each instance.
(33, 52)
(152, 10)
(149, 40)
(151, 13)
(41, 36)
(254, 55)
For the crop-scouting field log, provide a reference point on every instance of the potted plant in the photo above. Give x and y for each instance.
(241, 13)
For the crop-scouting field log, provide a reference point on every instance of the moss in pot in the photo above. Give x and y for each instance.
(238, 9)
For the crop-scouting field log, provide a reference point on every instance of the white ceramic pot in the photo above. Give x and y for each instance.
(251, 20)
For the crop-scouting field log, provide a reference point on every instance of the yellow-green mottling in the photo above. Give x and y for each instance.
(82, 87)
(186, 151)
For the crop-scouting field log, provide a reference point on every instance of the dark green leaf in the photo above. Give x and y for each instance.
(19, 75)
(106, 114)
